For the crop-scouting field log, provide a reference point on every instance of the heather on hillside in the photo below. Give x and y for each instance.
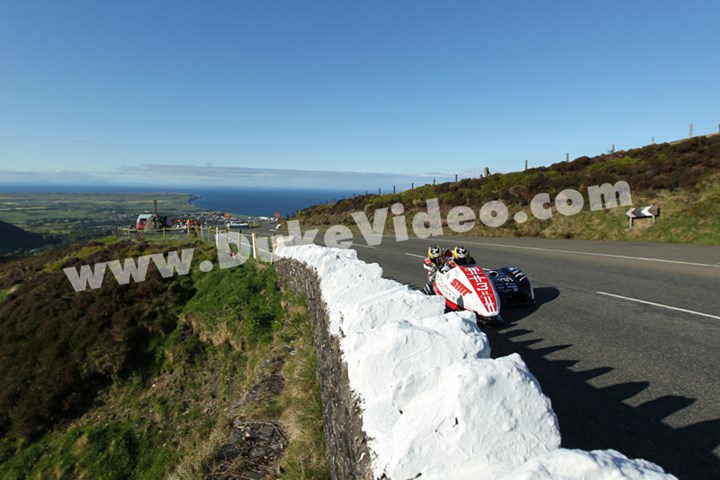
(681, 178)
(60, 347)
(142, 380)
(13, 239)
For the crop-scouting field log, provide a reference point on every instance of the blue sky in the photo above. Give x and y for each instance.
(369, 93)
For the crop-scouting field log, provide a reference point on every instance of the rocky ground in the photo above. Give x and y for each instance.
(254, 447)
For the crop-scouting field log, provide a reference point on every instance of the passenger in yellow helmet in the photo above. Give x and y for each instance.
(461, 256)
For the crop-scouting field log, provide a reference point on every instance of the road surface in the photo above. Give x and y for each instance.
(625, 339)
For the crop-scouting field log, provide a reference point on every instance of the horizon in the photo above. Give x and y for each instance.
(135, 188)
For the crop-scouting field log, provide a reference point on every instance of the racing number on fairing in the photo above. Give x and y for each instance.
(481, 284)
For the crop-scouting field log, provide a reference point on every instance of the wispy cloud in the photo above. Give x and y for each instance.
(214, 175)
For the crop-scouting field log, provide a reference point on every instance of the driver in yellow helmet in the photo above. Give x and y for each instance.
(436, 260)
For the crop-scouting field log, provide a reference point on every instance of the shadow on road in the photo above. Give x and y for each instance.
(594, 418)
(545, 295)
(542, 295)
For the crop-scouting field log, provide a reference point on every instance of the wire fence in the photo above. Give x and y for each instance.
(203, 233)
(666, 137)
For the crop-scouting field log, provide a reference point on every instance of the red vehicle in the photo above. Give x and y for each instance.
(142, 220)
(484, 291)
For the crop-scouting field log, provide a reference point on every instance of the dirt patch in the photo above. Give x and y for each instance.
(268, 384)
(254, 447)
(251, 453)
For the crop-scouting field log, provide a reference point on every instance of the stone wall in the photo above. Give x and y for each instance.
(348, 453)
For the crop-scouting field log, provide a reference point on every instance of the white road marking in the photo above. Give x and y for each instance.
(413, 255)
(660, 305)
(364, 246)
(645, 259)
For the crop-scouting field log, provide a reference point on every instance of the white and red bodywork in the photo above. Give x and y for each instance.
(469, 288)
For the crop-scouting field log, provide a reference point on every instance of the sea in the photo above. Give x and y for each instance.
(265, 202)
(248, 201)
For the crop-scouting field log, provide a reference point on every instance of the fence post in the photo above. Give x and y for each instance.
(256, 255)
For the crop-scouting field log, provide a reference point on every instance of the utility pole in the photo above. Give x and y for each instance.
(691, 125)
(653, 140)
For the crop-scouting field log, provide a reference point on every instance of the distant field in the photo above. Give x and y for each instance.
(63, 213)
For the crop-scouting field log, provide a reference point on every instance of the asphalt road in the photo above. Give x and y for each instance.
(641, 378)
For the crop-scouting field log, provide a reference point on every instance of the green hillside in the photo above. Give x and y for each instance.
(681, 178)
(142, 380)
(13, 238)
